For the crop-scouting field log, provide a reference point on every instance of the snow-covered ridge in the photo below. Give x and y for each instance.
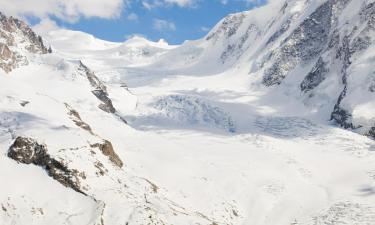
(316, 52)
(233, 128)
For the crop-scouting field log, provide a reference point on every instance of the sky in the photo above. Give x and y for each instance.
(117, 20)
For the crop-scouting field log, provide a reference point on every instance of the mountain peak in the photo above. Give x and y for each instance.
(16, 40)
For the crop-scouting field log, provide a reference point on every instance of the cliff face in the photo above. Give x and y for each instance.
(321, 49)
(16, 40)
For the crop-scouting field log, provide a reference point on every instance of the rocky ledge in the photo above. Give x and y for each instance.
(29, 151)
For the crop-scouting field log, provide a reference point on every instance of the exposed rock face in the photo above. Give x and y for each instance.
(107, 149)
(16, 39)
(237, 48)
(372, 86)
(13, 25)
(228, 27)
(8, 58)
(99, 89)
(372, 132)
(76, 118)
(315, 77)
(28, 151)
(353, 44)
(305, 43)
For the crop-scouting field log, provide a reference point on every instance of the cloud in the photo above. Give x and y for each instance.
(150, 4)
(163, 25)
(205, 29)
(67, 10)
(182, 3)
(45, 25)
(224, 2)
(132, 17)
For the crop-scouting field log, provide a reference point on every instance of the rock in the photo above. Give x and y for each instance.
(372, 86)
(16, 38)
(315, 77)
(100, 90)
(76, 118)
(106, 104)
(7, 58)
(305, 42)
(228, 27)
(24, 103)
(371, 133)
(107, 149)
(29, 151)
(34, 42)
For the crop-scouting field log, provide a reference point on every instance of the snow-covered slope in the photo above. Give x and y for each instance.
(317, 52)
(239, 127)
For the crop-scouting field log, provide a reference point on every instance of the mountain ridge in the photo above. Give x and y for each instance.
(239, 127)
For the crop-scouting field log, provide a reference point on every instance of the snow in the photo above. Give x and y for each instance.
(205, 142)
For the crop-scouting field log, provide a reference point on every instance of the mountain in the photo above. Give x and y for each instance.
(321, 49)
(268, 119)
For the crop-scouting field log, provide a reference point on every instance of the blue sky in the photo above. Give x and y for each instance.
(175, 23)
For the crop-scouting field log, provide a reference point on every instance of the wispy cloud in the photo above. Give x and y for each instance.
(151, 4)
(132, 17)
(67, 10)
(163, 25)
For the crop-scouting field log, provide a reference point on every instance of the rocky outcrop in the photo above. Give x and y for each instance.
(17, 38)
(228, 27)
(371, 133)
(99, 89)
(8, 58)
(236, 48)
(372, 86)
(29, 151)
(315, 77)
(305, 43)
(11, 26)
(107, 149)
(76, 118)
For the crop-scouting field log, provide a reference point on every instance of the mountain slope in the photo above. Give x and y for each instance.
(229, 129)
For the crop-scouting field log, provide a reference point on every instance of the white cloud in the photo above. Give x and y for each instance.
(163, 25)
(150, 4)
(224, 2)
(45, 26)
(133, 17)
(68, 10)
(205, 29)
(182, 3)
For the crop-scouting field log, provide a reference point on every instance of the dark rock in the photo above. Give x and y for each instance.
(305, 43)
(8, 60)
(106, 104)
(372, 86)
(28, 151)
(24, 103)
(14, 32)
(284, 27)
(107, 149)
(228, 26)
(340, 115)
(315, 77)
(76, 118)
(237, 48)
(371, 133)
(35, 42)
(100, 90)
